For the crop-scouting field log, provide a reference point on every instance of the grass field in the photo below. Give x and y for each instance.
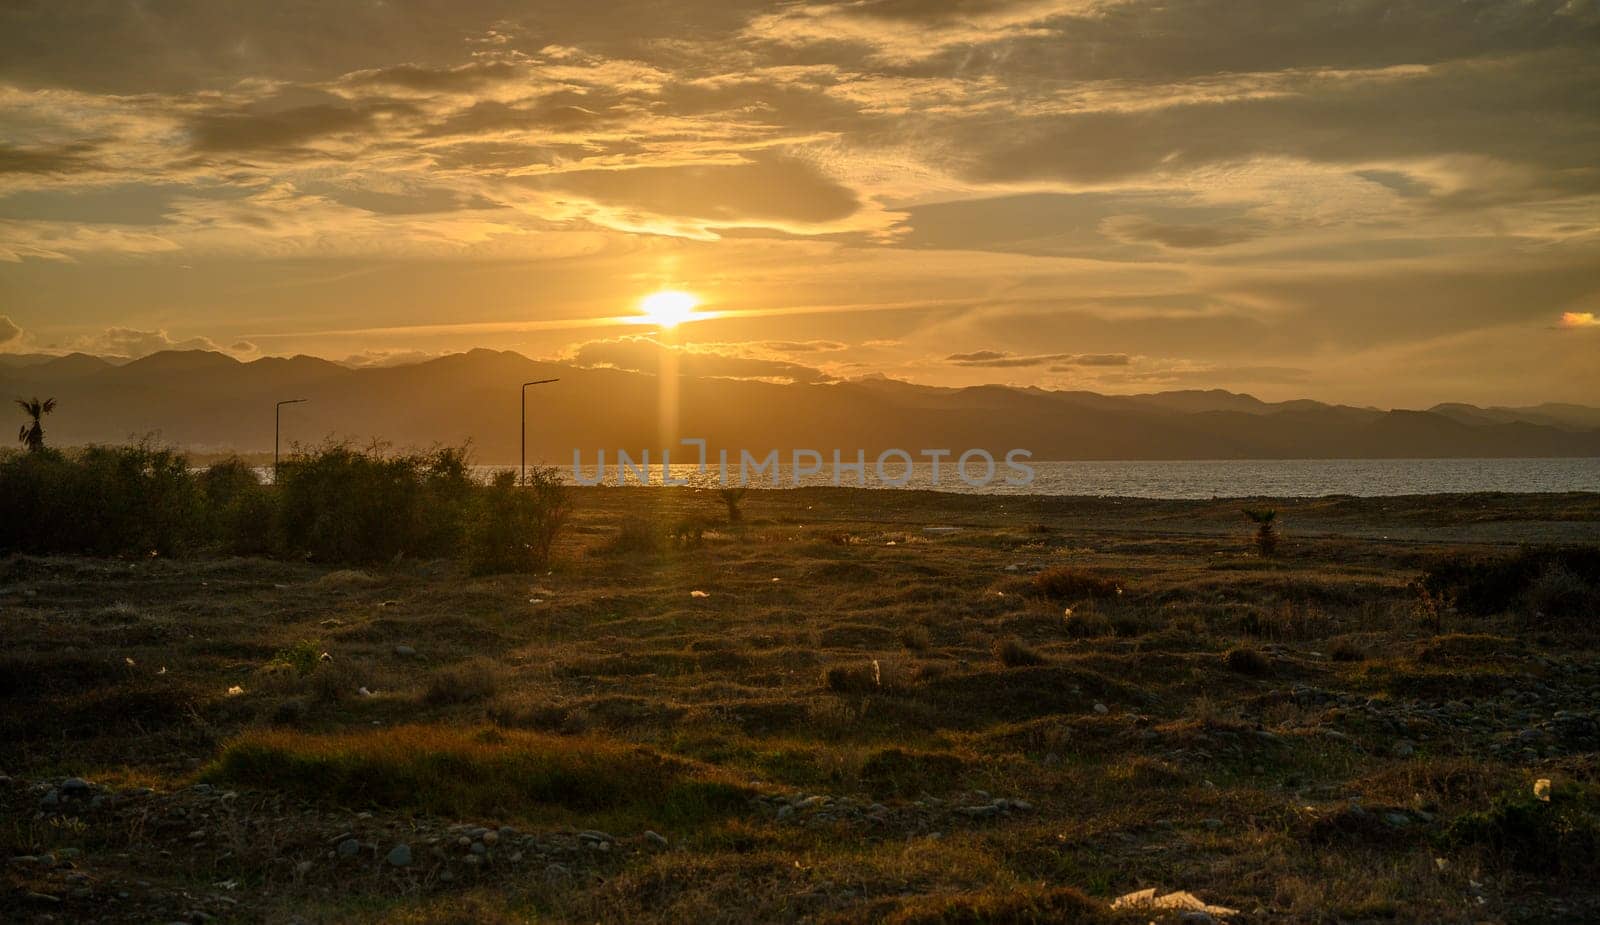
(854, 706)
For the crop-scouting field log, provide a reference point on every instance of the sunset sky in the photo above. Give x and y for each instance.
(1391, 203)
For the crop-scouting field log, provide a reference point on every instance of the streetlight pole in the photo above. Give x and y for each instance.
(277, 425)
(523, 468)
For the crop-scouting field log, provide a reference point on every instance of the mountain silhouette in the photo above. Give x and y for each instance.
(207, 401)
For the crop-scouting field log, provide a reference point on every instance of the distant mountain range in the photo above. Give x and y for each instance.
(209, 401)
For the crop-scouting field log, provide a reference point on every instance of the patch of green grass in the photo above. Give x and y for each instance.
(477, 773)
(1026, 906)
(904, 772)
(1561, 836)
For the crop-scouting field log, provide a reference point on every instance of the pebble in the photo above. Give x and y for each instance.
(400, 856)
(656, 839)
(404, 651)
(348, 848)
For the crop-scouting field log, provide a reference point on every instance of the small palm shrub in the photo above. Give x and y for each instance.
(1266, 536)
(732, 497)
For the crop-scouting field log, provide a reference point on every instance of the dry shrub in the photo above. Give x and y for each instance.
(1247, 661)
(1347, 651)
(857, 678)
(1065, 583)
(916, 638)
(468, 682)
(874, 676)
(1014, 653)
(635, 536)
(334, 681)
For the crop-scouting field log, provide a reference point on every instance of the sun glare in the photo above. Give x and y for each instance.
(668, 308)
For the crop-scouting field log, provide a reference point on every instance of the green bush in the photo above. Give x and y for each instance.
(334, 504)
(1560, 837)
(241, 516)
(104, 500)
(340, 504)
(1534, 578)
(512, 527)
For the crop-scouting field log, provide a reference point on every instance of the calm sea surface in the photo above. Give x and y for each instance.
(1239, 478)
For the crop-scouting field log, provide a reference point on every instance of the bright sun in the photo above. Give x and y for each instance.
(668, 308)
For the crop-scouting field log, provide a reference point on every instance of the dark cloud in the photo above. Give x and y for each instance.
(289, 128)
(769, 188)
(134, 343)
(1538, 103)
(48, 159)
(450, 79)
(801, 346)
(1172, 40)
(642, 354)
(560, 113)
(1003, 359)
(1132, 228)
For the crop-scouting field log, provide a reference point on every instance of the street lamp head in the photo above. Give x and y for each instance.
(539, 382)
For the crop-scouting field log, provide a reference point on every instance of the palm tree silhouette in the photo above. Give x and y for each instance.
(32, 434)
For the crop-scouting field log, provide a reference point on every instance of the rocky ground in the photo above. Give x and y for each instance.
(826, 715)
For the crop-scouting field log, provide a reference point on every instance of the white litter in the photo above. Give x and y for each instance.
(698, 594)
(1147, 899)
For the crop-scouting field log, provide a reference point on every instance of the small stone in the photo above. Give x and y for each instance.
(491, 837)
(1101, 708)
(348, 848)
(405, 651)
(1212, 824)
(304, 867)
(557, 874)
(1403, 749)
(400, 856)
(656, 839)
(74, 787)
(1398, 820)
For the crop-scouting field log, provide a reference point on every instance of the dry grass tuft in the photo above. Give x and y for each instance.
(1065, 583)
(1247, 661)
(916, 638)
(465, 773)
(472, 681)
(1014, 653)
